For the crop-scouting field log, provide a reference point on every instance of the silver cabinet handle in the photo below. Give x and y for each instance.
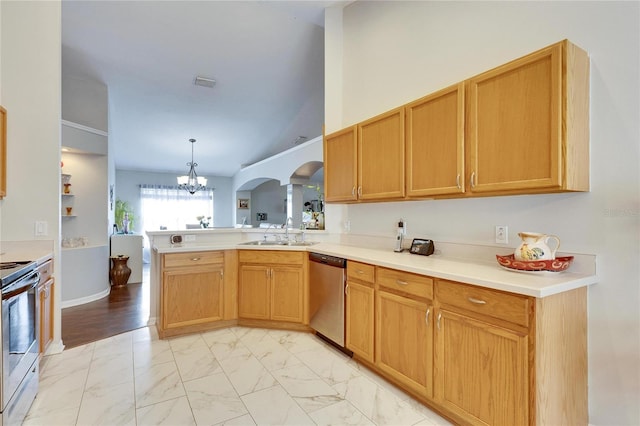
(402, 282)
(359, 191)
(221, 274)
(439, 318)
(266, 272)
(353, 191)
(426, 316)
(473, 179)
(360, 271)
(476, 301)
(195, 259)
(458, 181)
(346, 289)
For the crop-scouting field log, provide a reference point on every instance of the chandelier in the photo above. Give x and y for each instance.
(192, 182)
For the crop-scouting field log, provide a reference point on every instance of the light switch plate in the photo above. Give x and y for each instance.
(41, 228)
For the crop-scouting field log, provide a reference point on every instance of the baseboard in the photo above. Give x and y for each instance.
(86, 299)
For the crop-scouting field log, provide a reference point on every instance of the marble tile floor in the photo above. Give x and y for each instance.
(234, 376)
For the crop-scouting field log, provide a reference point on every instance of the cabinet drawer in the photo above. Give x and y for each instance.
(415, 284)
(281, 257)
(193, 258)
(361, 271)
(505, 306)
(45, 270)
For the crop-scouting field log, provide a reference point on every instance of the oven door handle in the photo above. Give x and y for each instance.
(22, 286)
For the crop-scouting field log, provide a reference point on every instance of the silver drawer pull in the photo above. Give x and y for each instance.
(195, 259)
(476, 301)
(426, 316)
(402, 282)
(360, 271)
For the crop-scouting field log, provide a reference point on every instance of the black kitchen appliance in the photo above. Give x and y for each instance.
(19, 340)
(422, 246)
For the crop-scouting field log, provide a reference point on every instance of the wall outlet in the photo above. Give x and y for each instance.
(189, 238)
(502, 234)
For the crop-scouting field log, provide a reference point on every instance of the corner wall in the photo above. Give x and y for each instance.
(30, 91)
(395, 52)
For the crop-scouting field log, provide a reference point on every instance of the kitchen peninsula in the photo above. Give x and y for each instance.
(496, 346)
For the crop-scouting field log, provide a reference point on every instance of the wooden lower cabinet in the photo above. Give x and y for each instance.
(359, 307)
(287, 294)
(46, 292)
(404, 329)
(272, 286)
(46, 300)
(254, 292)
(192, 296)
(404, 340)
(360, 310)
(482, 371)
(481, 356)
(195, 291)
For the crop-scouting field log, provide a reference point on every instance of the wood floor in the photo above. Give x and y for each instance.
(126, 308)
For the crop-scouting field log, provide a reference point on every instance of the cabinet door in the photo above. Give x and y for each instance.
(381, 156)
(46, 314)
(404, 341)
(340, 166)
(192, 296)
(286, 294)
(515, 124)
(481, 371)
(254, 292)
(435, 143)
(360, 320)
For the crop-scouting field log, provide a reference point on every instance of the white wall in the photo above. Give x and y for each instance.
(269, 197)
(30, 91)
(127, 188)
(394, 52)
(85, 102)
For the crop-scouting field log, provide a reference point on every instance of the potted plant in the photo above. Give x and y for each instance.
(124, 212)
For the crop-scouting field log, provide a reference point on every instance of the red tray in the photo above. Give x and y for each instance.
(558, 264)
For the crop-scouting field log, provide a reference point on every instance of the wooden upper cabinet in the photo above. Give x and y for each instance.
(521, 128)
(527, 124)
(381, 156)
(435, 143)
(341, 173)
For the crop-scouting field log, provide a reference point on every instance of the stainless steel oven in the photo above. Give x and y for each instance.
(19, 341)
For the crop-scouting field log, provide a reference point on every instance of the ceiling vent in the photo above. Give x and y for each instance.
(204, 82)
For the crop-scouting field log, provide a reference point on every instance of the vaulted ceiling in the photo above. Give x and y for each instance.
(266, 57)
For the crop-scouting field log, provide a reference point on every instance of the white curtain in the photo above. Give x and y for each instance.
(168, 207)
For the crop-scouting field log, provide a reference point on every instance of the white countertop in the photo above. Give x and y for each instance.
(38, 251)
(482, 273)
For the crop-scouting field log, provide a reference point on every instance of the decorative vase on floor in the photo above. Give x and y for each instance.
(119, 272)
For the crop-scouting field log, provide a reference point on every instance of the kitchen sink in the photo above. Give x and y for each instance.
(278, 243)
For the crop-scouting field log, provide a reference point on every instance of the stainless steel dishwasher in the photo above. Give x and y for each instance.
(326, 296)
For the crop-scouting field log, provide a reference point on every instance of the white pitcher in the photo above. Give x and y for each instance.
(534, 247)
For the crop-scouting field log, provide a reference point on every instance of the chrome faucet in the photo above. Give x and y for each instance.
(288, 225)
(267, 231)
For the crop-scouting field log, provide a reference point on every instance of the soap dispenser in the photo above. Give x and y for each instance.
(399, 236)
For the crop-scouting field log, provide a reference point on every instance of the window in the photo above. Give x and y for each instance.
(168, 207)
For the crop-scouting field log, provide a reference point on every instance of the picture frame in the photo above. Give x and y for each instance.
(243, 203)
